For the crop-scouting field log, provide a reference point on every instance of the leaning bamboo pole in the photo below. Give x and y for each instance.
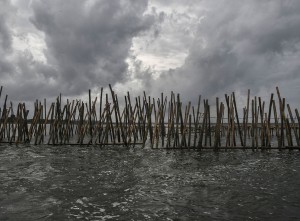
(164, 122)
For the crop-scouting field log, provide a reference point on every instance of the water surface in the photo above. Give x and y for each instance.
(116, 183)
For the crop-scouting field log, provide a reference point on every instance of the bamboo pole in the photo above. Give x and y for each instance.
(186, 126)
(237, 120)
(293, 125)
(197, 120)
(246, 120)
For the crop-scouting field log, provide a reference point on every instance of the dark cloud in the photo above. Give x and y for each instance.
(5, 35)
(247, 44)
(5, 38)
(87, 43)
(229, 46)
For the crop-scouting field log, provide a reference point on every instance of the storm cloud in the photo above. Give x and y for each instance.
(193, 47)
(241, 45)
(86, 46)
(5, 38)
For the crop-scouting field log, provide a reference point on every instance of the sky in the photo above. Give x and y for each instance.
(193, 47)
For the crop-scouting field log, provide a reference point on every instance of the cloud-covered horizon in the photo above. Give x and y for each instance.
(207, 47)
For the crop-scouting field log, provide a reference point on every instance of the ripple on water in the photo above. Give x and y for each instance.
(60, 183)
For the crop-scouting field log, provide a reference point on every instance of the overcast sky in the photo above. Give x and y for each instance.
(192, 47)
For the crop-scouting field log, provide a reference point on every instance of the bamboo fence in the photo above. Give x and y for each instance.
(157, 123)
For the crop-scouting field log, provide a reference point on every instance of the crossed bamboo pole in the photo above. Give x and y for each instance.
(156, 123)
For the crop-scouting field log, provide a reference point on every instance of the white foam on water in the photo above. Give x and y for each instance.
(115, 204)
(79, 201)
(106, 217)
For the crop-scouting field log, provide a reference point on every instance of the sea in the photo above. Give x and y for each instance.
(117, 183)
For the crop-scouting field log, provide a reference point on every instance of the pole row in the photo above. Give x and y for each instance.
(154, 122)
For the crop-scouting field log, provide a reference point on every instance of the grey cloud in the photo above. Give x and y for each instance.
(247, 44)
(6, 67)
(241, 45)
(5, 39)
(89, 45)
(5, 35)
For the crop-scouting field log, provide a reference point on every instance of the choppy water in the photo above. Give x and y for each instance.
(89, 183)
